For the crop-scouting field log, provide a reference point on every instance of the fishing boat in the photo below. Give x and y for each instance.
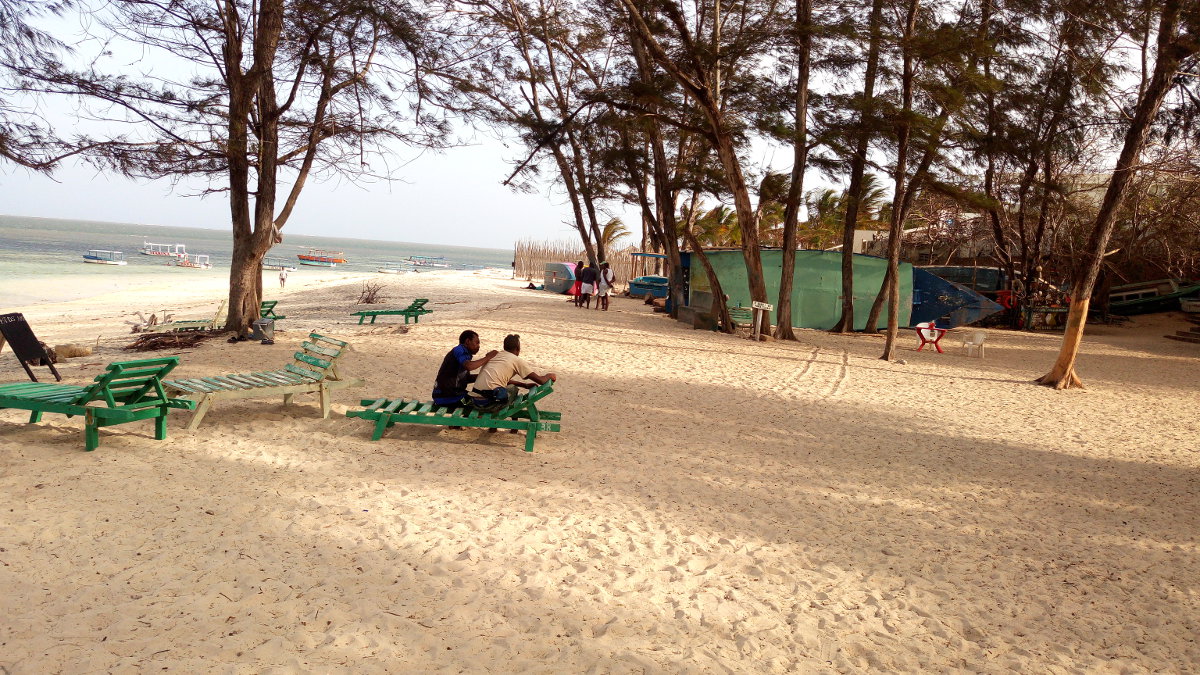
(196, 262)
(427, 261)
(1162, 295)
(163, 250)
(102, 257)
(319, 258)
(272, 263)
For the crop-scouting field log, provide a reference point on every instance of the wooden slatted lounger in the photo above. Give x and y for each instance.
(129, 390)
(521, 413)
(413, 311)
(267, 310)
(195, 324)
(314, 370)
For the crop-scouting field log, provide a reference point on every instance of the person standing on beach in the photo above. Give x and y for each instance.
(450, 386)
(283, 277)
(578, 281)
(607, 278)
(589, 276)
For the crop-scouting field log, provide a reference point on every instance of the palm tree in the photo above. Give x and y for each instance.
(613, 230)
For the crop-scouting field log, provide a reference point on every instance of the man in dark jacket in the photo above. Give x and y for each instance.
(590, 276)
(450, 387)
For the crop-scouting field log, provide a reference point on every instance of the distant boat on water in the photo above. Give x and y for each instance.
(164, 250)
(318, 258)
(198, 262)
(270, 263)
(102, 257)
(428, 261)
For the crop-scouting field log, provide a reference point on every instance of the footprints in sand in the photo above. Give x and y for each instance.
(819, 375)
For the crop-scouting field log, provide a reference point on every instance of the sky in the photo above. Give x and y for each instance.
(453, 197)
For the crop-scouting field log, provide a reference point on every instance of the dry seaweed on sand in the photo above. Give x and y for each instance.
(155, 341)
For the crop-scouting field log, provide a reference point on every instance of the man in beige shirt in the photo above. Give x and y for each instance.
(498, 380)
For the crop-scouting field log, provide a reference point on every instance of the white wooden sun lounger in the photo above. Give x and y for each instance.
(314, 370)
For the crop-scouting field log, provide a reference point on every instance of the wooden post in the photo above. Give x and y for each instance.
(760, 313)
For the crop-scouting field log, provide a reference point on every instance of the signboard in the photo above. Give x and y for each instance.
(15, 331)
(762, 305)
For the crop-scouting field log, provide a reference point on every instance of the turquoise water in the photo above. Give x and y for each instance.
(33, 248)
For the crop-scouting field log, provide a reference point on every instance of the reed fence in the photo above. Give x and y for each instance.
(531, 257)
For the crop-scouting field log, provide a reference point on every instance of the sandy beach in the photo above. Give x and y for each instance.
(711, 505)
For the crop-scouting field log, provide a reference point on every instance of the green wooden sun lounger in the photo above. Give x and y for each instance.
(521, 413)
(195, 324)
(267, 310)
(314, 370)
(413, 311)
(129, 390)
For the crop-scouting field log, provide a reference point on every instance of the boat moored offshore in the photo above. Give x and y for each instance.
(198, 262)
(319, 258)
(163, 250)
(103, 257)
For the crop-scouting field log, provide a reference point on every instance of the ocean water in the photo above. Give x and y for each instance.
(38, 248)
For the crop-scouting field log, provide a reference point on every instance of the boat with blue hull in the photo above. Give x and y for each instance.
(99, 256)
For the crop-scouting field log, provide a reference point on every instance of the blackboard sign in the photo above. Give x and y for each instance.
(19, 336)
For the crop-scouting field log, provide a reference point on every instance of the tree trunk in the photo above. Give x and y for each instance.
(1171, 50)
(791, 214)
(858, 165)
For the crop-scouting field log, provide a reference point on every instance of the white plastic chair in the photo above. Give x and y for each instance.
(973, 341)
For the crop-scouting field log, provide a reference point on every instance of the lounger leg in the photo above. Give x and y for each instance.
(91, 436)
(35, 416)
(324, 401)
(287, 399)
(160, 426)
(201, 409)
(380, 425)
(530, 435)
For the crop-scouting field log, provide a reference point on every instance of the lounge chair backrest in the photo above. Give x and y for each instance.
(128, 382)
(419, 303)
(264, 310)
(317, 357)
(520, 402)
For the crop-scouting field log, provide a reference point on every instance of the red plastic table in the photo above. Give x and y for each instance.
(930, 335)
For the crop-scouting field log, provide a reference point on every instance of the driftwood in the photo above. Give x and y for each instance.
(156, 341)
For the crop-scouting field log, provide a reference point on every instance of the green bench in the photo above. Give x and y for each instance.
(129, 391)
(267, 310)
(413, 311)
(741, 315)
(520, 413)
(314, 370)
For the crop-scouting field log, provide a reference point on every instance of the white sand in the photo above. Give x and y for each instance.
(711, 505)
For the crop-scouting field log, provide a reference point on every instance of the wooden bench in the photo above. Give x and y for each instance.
(521, 413)
(129, 391)
(314, 370)
(741, 315)
(267, 310)
(413, 311)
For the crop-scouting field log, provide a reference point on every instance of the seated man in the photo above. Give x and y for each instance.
(496, 384)
(450, 387)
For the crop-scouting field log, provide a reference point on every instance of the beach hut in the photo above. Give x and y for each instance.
(560, 277)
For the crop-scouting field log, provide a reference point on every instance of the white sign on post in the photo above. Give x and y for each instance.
(762, 305)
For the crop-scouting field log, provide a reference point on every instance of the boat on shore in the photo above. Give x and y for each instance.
(427, 261)
(103, 257)
(272, 263)
(163, 250)
(318, 258)
(1163, 295)
(196, 262)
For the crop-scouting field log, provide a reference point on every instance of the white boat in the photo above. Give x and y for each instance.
(102, 257)
(270, 263)
(427, 261)
(1191, 305)
(198, 262)
(163, 250)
